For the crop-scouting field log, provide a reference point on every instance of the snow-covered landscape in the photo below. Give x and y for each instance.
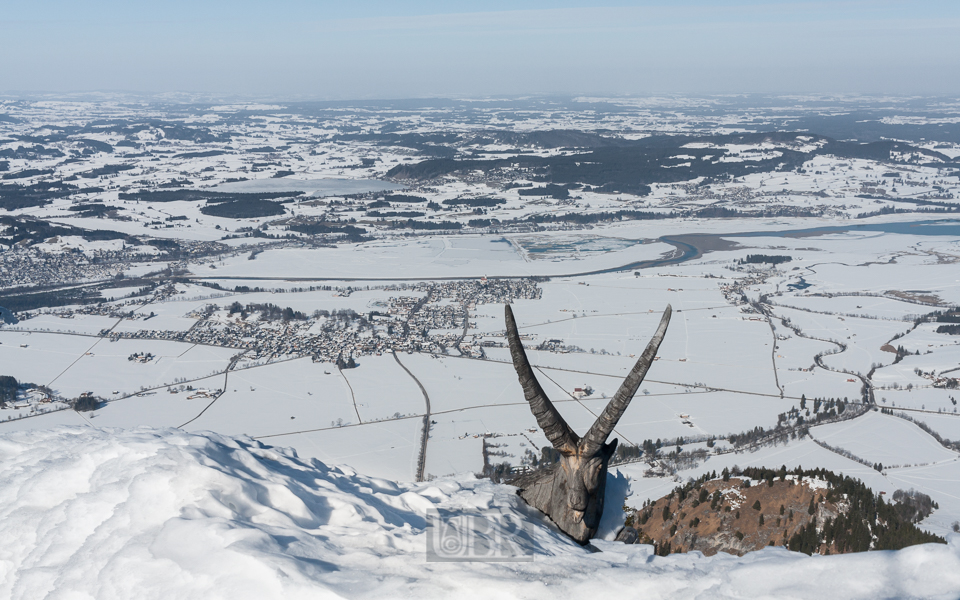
(151, 513)
(253, 346)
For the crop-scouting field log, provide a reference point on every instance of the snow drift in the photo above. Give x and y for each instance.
(151, 513)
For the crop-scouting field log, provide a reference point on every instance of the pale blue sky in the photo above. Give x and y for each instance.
(341, 50)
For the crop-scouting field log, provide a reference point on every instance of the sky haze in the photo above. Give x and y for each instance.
(325, 50)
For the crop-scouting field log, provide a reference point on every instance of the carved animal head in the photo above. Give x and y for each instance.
(571, 492)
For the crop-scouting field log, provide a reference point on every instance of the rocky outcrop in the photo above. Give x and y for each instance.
(811, 511)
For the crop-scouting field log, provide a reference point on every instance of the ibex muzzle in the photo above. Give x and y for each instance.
(571, 491)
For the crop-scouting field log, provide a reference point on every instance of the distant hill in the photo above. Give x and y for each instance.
(814, 511)
(615, 165)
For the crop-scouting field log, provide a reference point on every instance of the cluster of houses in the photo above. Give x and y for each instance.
(23, 265)
(30, 398)
(26, 267)
(434, 321)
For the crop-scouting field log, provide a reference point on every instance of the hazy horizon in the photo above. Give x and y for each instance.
(298, 50)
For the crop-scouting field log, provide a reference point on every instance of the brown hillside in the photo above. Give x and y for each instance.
(719, 516)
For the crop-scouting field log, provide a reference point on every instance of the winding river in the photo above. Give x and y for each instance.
(691, 246)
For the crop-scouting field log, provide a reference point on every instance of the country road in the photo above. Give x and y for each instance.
(422, 460)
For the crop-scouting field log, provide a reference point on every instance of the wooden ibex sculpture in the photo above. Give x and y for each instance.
(571, 491)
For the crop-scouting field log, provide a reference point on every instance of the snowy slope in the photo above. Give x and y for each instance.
(151, 513)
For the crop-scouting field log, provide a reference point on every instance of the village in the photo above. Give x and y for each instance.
(431, 317)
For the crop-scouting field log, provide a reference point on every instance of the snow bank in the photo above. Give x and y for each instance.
(151, 513)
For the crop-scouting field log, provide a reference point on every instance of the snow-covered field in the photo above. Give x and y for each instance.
(106, 367)
(884, 439)
(40, 357)
(152, 513)
(947, 426)
(723, 368)
(835, 297)
(82, 324)
(432, 257)
(382, 389)
(279, 398)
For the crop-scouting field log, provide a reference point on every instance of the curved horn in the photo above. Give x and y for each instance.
(554, 427)
(603, 426)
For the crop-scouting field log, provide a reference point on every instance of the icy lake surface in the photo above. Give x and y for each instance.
(314, 187)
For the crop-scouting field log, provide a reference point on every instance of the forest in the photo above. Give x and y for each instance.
(246, 208)
(474, 202)
(352, 232)
(870, 523)
(771, 259)
(9, 388)
(631, 166)
(35, 230)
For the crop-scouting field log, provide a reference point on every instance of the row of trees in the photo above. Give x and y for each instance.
(268, 312)
(772, 259)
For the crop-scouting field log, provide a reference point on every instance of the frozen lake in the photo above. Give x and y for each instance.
(314, 187)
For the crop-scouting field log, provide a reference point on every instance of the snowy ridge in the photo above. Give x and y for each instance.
(151, 513)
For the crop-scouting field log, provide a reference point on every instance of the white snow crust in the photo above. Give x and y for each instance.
(160, 513)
